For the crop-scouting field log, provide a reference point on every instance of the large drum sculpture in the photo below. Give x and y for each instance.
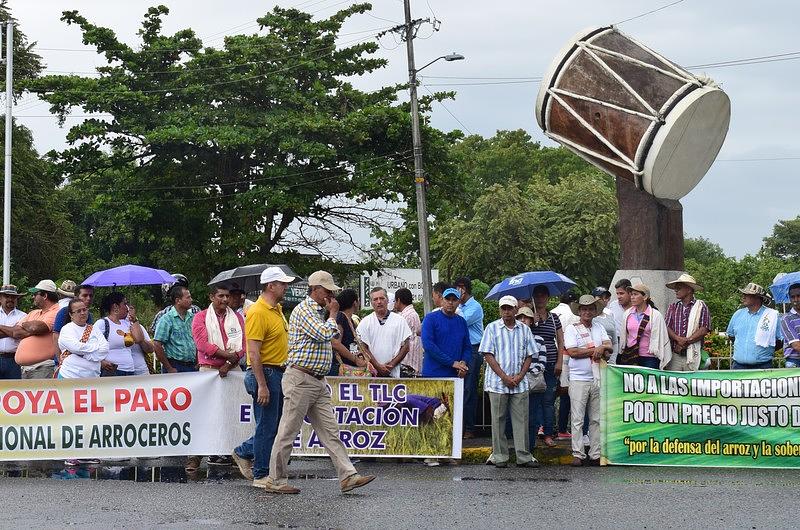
(633, 113)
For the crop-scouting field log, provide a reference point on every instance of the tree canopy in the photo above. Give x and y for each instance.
(259, 147)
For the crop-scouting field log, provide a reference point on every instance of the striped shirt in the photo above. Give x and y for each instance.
(678, 318)
(547, 331)
(510, 348)
(310, 337)
(790, 327)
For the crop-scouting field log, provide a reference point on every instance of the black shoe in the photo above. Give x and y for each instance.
(501, 464)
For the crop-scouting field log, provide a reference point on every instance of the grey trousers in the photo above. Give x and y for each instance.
(517, 405)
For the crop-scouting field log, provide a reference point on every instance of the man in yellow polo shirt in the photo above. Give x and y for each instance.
(267, 350)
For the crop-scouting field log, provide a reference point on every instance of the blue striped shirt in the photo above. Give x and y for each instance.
(510, 348)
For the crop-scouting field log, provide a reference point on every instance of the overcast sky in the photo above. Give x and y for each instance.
(735, 205)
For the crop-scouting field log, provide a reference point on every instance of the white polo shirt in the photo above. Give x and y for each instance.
(7, 344)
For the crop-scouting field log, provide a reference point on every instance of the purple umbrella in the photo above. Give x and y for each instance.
(129, 275)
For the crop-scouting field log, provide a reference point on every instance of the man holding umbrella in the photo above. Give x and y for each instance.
(790, 327)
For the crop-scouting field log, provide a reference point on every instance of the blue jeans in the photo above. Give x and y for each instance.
(758, 366)
(792, 363)
(542, 409)
(259, 446)
(471, 389)
(117, 373)
(9, 369)
(181, 366)
(649, 362)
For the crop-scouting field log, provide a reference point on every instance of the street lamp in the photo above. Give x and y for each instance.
(419, 175)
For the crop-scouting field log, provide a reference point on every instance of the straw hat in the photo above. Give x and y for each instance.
(586, 300)
(67, 289)
(10, 290)
(686, 279)
(754, 288)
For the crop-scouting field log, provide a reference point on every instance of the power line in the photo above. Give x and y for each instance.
(648, 13)
(448, 110)
(206, 187)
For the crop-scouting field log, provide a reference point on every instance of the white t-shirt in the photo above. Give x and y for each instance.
(139, 361)
(118, 353)
(581, 369)
(85, 357)
(384, 340)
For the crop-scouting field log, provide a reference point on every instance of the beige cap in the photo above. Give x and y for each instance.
(525, 311)
(323, 279)
(642, 288)
(508, 300)
(44, 285)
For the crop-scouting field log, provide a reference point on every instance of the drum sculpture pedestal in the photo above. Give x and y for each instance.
(651, 241)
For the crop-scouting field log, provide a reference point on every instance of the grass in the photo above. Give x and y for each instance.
(434, 438)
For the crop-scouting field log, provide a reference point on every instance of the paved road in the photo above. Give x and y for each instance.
(412, 496)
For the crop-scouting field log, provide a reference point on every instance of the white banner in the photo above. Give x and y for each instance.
(201, 413)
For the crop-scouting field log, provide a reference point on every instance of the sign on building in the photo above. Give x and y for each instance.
(394, 279)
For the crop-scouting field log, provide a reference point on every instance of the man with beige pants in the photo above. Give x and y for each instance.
(586, 342)
(304, 389)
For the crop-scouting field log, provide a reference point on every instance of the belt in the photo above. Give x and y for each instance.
(171, 360)
(307, 371)
(8, 354)
(276, 367)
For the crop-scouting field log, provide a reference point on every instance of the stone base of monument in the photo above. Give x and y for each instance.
(655, 280)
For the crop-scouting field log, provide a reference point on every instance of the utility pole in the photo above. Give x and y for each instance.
(407, 32)
(419, 173)
(9, 60)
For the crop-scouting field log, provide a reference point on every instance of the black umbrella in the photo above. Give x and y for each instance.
(247, 278)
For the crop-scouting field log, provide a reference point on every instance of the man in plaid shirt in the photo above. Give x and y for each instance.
(304, 389)
(688, 322)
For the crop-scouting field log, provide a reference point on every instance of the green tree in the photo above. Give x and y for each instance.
(40, 229)
(568, 226)
(785, 240)
(702, 250)
(207, 158)
(27, 63)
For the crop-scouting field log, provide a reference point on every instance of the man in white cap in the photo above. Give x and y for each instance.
(267, 351)
(304, 389)
(509, 349)
(385, 335)
(9, 317)
(755, 330)
(37, 350)
(688, 322)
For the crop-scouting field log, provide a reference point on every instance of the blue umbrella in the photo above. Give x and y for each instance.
(129, 275)
(780, 289)
(522, 285)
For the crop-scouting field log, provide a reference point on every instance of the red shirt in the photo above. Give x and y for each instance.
(205, 349)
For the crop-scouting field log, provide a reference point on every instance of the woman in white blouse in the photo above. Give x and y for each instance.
(82, 346)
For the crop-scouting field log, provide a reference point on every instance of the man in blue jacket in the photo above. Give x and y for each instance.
(446, 345)
(445, 340)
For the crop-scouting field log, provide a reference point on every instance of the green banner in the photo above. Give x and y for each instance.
(738, 418)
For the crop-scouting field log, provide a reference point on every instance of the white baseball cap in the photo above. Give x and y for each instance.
(508, 300)
(275, 274)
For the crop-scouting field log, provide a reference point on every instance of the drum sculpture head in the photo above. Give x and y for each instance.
(633, 113)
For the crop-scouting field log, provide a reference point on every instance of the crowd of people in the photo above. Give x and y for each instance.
(533, 355)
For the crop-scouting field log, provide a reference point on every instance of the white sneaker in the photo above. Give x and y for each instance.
(430, 462)
(585, 439)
